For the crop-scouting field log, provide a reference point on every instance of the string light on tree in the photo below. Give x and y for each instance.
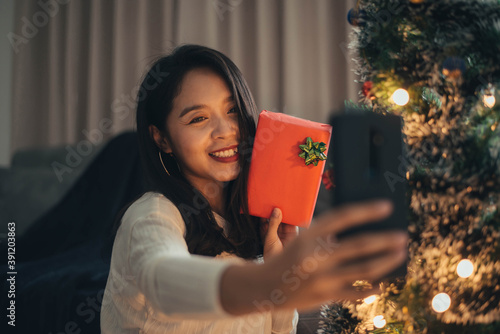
(400, 97)
(488, 93)
(379, 321)
(465, 268)
(489, 101)
(370, 299)
(441, 302)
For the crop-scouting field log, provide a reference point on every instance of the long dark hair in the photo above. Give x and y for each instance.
(155, 100)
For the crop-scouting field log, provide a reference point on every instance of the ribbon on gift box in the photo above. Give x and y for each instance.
(312, 152)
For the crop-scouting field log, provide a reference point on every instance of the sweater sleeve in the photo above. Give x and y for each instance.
(285, 322)
(175, 282)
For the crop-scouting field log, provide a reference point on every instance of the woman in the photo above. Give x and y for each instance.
(185, 260)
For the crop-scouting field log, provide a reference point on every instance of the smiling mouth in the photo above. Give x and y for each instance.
(225, 154)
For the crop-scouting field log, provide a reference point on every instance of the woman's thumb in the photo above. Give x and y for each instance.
(274, 221)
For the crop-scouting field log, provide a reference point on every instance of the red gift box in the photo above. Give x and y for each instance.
(279, 177)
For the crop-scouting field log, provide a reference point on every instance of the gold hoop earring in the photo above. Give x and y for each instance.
(161, 160)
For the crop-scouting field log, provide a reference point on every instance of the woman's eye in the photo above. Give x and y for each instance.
(233, 110)
(197, 120)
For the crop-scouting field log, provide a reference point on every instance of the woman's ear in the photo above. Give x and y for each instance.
(160, 140)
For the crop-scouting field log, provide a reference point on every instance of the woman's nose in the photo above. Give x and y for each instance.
(225, 127)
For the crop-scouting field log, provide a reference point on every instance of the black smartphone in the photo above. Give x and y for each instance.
(368, 163)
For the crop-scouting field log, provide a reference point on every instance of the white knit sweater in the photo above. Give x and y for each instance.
(156, 286)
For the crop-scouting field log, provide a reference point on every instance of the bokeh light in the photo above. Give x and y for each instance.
(379, 321)
(400, 97)
(465, 268)
(441, 302)
(489, 101)
(370, 299)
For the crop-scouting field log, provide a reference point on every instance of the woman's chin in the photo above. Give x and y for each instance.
(229, 178)
(228, 174)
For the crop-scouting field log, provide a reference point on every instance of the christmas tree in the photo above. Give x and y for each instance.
(437, 64)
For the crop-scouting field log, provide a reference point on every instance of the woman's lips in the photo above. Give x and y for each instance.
(226, 148)
(228, 159)
(227, 154)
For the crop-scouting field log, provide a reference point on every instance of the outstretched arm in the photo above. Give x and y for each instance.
(314, 268)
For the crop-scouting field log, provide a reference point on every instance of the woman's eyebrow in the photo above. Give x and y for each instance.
(191, 108)
(201, 106)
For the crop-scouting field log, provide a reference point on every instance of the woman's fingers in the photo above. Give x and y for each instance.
(286, 230)
(264, 226)
(287, 233)
(370, 269)
(364, 257)
(338, 283)
(317, 267)
(350, 294)
(355, 257)
(369, 244)
(351, 215)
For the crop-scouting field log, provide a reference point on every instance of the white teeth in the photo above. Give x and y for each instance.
(225, 154)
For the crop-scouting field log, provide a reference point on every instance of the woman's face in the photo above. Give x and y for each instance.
(204, 132)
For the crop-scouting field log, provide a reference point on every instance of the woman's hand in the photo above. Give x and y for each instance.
(315, 267)
(276, 234)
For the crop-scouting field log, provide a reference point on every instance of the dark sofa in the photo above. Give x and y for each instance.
(61, 258)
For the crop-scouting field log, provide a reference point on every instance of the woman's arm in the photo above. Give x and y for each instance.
(315, 269)
(155, 255)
